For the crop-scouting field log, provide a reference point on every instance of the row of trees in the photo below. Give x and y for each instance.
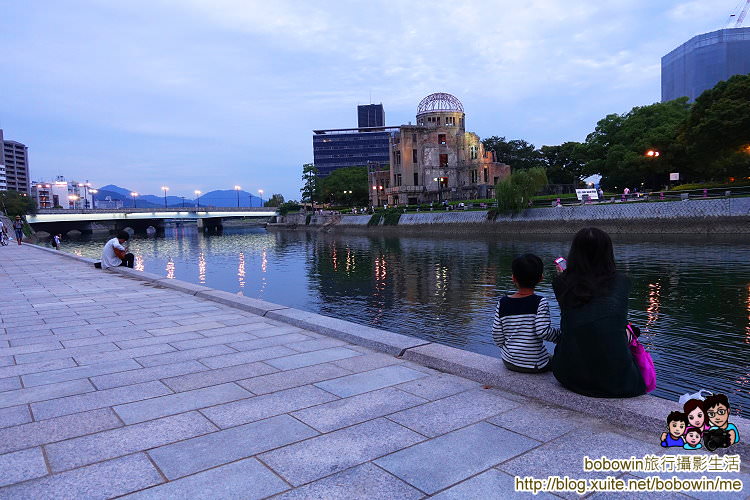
(708, 140)
(343, 186)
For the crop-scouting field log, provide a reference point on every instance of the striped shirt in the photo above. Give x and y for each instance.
(519, 329)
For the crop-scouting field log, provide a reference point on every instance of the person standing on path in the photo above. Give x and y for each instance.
(115, 253)
(18, 227)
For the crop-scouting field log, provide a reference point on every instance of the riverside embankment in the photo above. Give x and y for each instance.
(117, 383)
(694, 216)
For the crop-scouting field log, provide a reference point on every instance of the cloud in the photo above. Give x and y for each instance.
(167, 87)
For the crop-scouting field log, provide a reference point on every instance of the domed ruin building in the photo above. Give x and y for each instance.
(436, 159)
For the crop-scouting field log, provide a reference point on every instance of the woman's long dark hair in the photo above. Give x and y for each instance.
(590, 270)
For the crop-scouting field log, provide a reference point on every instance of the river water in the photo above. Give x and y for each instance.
(691, 297)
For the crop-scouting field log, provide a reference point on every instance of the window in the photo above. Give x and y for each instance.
(414, 138)
(450, 120)
(473, 152)
(441, 139)
(486, 175)
(397, 157)
(444, 160)
(437, 119)
(496, 179)
(473, 176)
(416, 179)
(397, 180)
(414, 155)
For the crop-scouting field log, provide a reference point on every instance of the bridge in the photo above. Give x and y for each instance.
(209, 219)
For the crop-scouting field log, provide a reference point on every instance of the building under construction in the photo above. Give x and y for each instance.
(435, 160)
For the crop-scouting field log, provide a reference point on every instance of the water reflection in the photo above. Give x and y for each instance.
(691, 299)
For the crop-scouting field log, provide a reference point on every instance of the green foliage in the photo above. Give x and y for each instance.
(335, 187)
(717, 131)
(517, 153)
(565, 163)
(289, 206)
(309, 189)
(392, 216)
(710, 185)
(516, 192)
(617, 147)
(375, 219)
(14, 203)
(276, 200)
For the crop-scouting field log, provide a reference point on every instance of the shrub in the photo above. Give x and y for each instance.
(375, 219)
(307, 219)
(516, 192)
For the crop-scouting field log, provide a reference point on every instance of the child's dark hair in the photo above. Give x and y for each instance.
(527, 269)
(677, 416)
(693, 429)
(716, 399)
(692, 405)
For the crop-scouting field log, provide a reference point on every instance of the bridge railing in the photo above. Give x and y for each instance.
(152, 210)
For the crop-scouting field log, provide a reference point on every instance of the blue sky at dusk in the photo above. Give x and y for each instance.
(199, 94)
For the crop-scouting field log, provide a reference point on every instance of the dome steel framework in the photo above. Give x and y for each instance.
(439, 102)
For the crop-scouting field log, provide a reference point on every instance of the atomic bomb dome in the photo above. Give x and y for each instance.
(440, 102)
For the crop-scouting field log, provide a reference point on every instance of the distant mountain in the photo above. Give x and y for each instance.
(124, 193)
(218, 198)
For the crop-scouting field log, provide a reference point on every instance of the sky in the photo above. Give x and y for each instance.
(207, 94)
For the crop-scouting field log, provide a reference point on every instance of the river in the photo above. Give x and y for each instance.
(691, 297)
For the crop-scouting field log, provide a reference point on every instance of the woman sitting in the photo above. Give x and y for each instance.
(592, 356)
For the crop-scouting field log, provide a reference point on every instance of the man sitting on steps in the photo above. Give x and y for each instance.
(114, 253)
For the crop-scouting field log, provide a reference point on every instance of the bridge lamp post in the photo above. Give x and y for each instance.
(198, 197)
(260, 191)
(237, 188)
(73, 198)
(134, 194)
(165, 189)
(93, 193)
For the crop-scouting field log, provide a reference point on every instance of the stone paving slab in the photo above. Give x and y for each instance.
(312, 459)
(129, 388)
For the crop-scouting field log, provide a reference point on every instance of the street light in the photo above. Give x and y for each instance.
(237, 188)
(134, 194)
(93, 194)
(260, 191)
(73, 198)
(652, 153)
(165, 189)
(198, 197)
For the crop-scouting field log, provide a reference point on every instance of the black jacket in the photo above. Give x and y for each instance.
(592, 357)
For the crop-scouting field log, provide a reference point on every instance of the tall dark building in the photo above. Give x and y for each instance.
(353, 147)
(14, 156)
(370, 115)
(703, 61)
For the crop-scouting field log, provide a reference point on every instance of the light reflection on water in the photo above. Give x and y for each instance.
(691, 298)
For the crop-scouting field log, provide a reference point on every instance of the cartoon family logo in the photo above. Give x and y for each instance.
(685, 429)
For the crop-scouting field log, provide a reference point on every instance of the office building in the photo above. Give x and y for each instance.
(370, 115)
(14, 157)
(63, 194)
(703, 61)
(353, 147)
(436, 159)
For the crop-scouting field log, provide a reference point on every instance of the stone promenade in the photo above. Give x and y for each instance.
(111, 386)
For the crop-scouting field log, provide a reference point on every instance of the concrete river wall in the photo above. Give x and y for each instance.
(712, 216)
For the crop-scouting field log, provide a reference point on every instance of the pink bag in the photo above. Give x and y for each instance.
(645, 364)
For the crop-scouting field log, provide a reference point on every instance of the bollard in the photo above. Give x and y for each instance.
(727, 194)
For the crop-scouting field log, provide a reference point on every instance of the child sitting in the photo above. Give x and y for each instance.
(522, 320)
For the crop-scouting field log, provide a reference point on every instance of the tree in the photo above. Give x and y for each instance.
(335, 187)
(564, 163)
(14, 203)
(515, 192)
(617, 148)
(717, 131)
(310, 180)
(275, 201)
(517, 153)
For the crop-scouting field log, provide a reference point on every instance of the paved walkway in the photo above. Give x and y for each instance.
(112, 387)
